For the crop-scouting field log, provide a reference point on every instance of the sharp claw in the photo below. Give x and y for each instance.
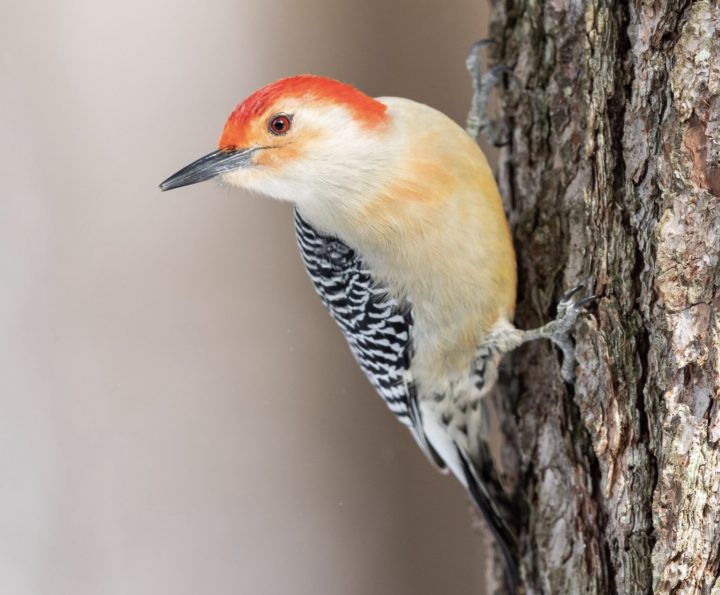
(572, 292)
(473, 59)
(585, 301)
(500, 69)
(480, 43)
(559, 331)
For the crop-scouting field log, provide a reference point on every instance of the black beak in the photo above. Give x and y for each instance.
(211, 165)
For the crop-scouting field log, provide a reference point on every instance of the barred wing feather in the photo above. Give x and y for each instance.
(377, 328)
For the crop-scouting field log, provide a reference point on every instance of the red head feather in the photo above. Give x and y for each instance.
(365, 109)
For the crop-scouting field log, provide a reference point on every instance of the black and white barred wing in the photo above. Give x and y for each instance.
(379, 333)
(377, 329)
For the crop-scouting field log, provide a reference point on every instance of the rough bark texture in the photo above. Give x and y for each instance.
(612, 177)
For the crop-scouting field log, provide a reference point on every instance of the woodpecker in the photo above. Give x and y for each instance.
(402, 230)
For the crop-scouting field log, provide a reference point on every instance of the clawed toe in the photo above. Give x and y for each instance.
(567, 297)
(586, 301)
(559, 330)
(498, 70)
(568, 311)
(569, 307)
(483, 84)
(473, 59)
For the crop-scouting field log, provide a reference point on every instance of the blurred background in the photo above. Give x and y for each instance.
(178, 414)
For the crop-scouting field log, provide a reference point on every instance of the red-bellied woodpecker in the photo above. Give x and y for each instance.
(402, 230)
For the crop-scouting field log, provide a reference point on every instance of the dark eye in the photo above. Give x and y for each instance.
(279, 125)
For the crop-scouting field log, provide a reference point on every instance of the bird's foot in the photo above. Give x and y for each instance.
(568, 310)
(558, 331)
(478, 121)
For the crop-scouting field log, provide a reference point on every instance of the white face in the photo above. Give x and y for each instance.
(327, 163)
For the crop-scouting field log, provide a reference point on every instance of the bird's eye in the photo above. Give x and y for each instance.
(279, 125)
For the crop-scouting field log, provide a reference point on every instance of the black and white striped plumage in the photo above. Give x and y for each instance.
(378, 329)
(379, 333)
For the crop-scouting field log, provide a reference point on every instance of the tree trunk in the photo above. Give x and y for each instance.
(612, 177)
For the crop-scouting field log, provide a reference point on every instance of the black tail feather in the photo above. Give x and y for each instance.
(504, 535)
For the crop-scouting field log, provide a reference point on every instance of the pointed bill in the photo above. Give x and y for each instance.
(210, 166)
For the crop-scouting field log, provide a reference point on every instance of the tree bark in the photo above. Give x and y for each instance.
(612, 178)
